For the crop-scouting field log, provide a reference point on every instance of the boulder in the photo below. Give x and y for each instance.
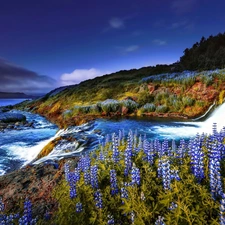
(11, 117)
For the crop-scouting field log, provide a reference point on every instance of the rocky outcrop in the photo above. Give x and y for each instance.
(33, 182)
(8, 117)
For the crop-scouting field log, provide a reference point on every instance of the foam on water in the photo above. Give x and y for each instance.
(190, 129)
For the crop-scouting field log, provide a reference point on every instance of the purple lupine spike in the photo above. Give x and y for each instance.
(197, 159)
(160, 221)
(87, 177)
(166, 173)
(149, 152)
(2, 205)
(214, 169)
(79, 207)
(222, 210)
(94, 176)
(111, 220)
(115, 154)
(181, 150)
(98, 199)
(128, 157)
(73, 192)
(135, 176)
(124, 194)
(165, 147)
(113, 182)
(66, 170)
(27, 214)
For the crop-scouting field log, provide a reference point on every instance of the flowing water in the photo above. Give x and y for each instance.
(19, 147)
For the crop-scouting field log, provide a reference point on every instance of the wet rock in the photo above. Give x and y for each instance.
(11, 117)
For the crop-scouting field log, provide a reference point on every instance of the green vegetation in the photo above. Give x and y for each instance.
(187, 200)
(204, 55)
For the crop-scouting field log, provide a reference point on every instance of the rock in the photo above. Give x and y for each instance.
(124, 110)
(11, 117)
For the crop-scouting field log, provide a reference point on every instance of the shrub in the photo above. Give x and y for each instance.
(162, 109)
(200, 103)
(110, 105)
(149, 107)
(81, 109)
(187, 101)
(95, 109)
(130, 104)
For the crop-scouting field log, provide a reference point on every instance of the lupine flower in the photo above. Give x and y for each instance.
(66, 170)
(98, 199)
(160, 221)
(197, 159)
(79, 207)
(115, 154)
(166, 173)
(111, 219)
(87, 177)
(47, 215)
(84, 163)
(135, 176)
(159, 169)
(113, 182)
(73, 192)
(94, 176)
(149, 152)
(124, 194)
(2, 205)
(222, 210)
(27, 214)
(131, 137)
(101, 156)
(172, 206)
(181, 150)
(132, 217)
(128, 157)
(174, 175)
(214, 170)
(165, 147)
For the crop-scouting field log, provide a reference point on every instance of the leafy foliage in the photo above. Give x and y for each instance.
(144, 182)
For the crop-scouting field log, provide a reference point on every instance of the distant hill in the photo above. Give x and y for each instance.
(16, 95)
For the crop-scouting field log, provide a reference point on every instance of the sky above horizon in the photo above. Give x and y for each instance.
(45, 44)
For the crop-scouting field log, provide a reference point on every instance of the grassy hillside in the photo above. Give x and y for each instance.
(135, 92)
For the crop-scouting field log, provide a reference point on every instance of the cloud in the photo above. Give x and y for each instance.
(183, 6)
(159, 42)
(127, 49)
(14, 78)
(131, 48)
(79, 75)
(116, 23)
(177, 25)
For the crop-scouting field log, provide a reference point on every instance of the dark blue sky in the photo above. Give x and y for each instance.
(72, 40)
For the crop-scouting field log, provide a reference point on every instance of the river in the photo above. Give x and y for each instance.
(19, 147)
